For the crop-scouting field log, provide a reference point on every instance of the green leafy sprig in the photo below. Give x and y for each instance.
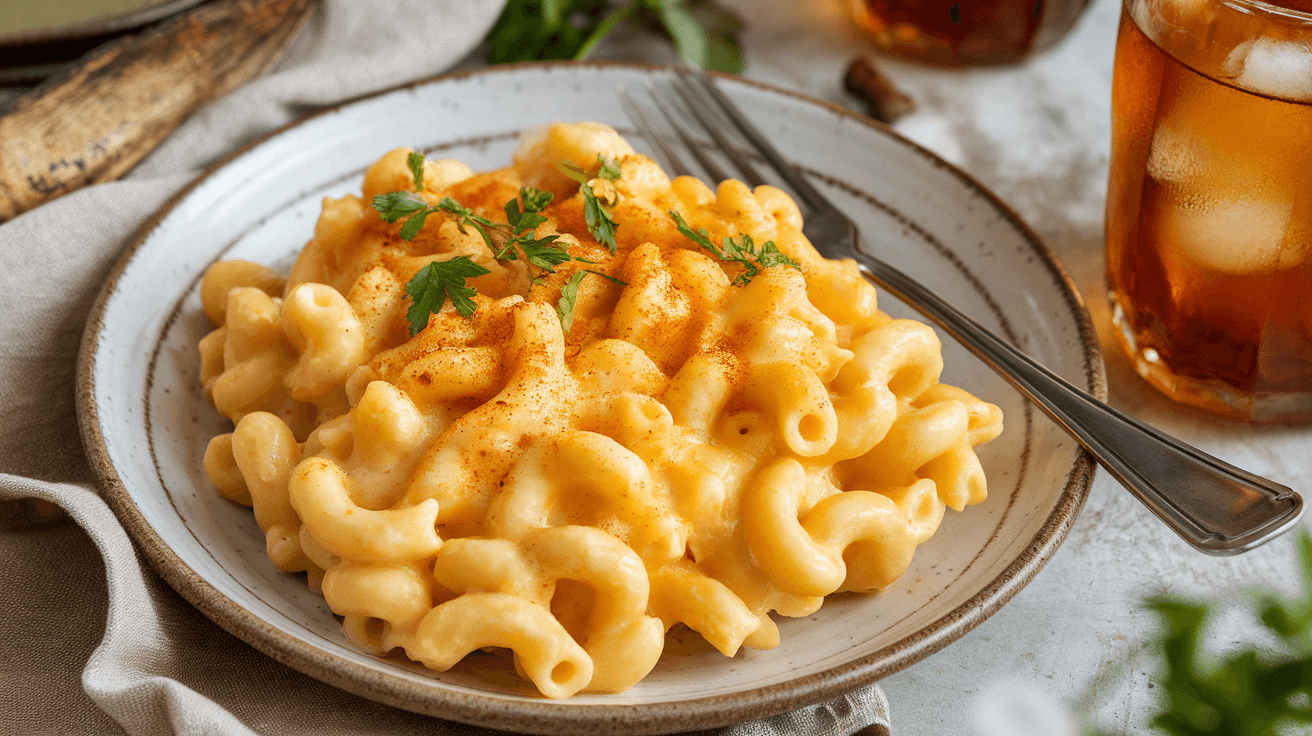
(704, 35)
(742, 250)
(508, 242)
(1250, 692)
(609, 170)
(415, 162)
(516, 239)
(437, 282)
(569, 294)
(598, 218)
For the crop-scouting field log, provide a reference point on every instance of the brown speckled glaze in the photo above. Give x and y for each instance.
(1039, 478)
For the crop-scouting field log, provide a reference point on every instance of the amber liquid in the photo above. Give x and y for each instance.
(949, 32)
(1209, 233)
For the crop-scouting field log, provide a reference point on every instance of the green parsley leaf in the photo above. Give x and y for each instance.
(535, 200)
(740, 249)
(526, 220)
(610, 170)
(442, 280)
(395, 205)
(569, 294)
(437, 282)
(597, 217)
(466, 216)
(544, 253)
(606, 276)
(770, 255)
(459, 210)
(574, 172)
(698, 236)
(416, 163)
(412, 226)
(598, 220)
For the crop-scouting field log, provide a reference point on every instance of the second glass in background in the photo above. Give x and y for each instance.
(1209, 205)
(956, 33)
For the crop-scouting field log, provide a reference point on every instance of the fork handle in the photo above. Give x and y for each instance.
(1216, 507)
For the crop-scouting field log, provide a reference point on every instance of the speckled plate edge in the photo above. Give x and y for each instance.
(551, 717)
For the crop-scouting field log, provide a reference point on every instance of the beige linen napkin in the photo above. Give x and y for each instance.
(92, 641)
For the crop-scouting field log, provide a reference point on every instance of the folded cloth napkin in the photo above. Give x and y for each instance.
(92, 641)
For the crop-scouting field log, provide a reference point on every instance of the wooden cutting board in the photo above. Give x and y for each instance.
(94, 122)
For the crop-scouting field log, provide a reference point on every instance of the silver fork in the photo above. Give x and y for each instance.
(1214, 506)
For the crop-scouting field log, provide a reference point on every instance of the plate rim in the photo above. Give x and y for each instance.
(557, 717)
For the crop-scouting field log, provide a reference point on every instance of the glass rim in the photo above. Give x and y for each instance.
(1269, 9)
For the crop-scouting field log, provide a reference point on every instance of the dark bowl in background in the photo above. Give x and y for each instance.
(29, 56)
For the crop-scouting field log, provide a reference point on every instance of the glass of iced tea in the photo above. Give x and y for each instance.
(957, 33)
(1209, 205)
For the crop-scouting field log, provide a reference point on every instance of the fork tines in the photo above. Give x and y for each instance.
(691, 101)
(688, 122)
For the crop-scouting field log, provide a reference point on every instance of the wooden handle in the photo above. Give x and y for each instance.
(94, 122)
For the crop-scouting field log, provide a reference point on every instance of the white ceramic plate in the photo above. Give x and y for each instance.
(146, 422)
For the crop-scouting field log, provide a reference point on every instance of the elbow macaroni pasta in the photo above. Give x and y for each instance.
(690, 452)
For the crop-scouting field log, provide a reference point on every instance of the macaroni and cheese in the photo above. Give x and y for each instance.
(686, 446)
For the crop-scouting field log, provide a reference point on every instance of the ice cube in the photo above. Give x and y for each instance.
(1158, 19)
(1298, 238)
(1214, 143)
(1234, 237)
(1278, 69)
(1187, 8)
(1234, 62)
(1176, 154)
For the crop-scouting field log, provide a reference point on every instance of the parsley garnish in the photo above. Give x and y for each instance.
(610, 170)
(597, 217)
(528, 30)
(507, 242)
(466, 217)
(416, 163)
(518, 237)
(742, 251)
(442, 280)
(569, 294)
(437, 282)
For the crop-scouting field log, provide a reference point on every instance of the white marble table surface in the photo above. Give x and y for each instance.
(1038, 134)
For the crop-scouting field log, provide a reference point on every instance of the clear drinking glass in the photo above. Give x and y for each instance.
(1209, 202)
(957, 33)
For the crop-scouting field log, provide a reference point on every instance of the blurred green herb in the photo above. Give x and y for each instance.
(1252, 692)
(536, 30)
